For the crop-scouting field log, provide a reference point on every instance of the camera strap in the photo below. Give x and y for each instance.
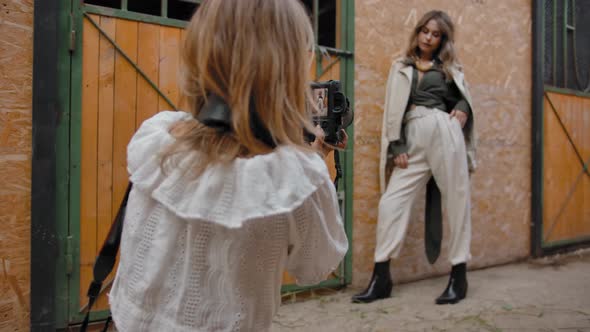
(338, 168)
(217, 114)
(105, 261)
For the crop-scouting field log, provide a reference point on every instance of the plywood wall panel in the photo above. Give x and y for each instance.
(494, 44)
(16, 64)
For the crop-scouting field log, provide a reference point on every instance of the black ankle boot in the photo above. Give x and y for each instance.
(379, 286)
(457, 288)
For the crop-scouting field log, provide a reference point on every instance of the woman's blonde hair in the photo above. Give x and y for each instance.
(446, 52)
(254, 54)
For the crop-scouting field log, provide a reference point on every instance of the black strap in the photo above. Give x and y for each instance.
(217, 114)
(338, 168)
(433, 230)
(105, 261)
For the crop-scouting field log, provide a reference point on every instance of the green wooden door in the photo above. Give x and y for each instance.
(561, 126)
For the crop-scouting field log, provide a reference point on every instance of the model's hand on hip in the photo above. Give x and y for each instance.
(459, 115)
(401, 160)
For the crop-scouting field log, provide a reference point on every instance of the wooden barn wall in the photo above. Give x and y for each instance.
(493, 40)
(16, 65)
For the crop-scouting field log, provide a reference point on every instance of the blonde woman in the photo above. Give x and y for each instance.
(222, 205)
(427, 132)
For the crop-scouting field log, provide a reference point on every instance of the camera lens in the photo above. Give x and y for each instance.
(339, 102)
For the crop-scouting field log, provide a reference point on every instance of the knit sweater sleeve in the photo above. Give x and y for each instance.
(317, 241)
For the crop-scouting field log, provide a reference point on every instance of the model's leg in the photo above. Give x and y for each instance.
(395, 207)
(394, 214)
(449, 167)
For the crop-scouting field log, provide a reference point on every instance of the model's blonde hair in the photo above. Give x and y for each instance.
(251, 53)
(446, 52)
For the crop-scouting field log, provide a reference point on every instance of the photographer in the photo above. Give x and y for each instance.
(228, 196)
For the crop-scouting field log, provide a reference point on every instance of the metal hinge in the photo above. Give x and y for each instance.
(69, 255)
(72, 33)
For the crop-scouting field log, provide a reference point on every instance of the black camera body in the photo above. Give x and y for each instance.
(331, 111)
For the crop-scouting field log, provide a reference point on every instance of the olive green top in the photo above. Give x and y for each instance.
(434, 91)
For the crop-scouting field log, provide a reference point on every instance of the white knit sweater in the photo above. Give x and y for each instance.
(208, 253)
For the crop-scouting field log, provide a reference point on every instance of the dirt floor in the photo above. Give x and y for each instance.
(550, 294)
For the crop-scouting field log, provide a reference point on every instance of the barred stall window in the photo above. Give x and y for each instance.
(324, 16)
(567, 44)
(322, 13)
(175, 9)
(151, 7)
(105, 3)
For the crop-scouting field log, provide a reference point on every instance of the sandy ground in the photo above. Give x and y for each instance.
(550, 294)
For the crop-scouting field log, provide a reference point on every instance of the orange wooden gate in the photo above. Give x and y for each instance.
(566, 177)
(115, 101)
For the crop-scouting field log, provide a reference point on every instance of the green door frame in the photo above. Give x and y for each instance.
(69, 152)
(50, 139)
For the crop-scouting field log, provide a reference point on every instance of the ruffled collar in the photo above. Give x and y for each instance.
(227, 194)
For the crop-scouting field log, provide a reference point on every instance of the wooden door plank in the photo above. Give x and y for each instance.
(105, 135)
(576, 107)
(182, 103)
(169, 65)
(566, 170)
(552, 143)
(569, 108)
(585, 218)
(148, 58)
(558, 156)
(571, 105)
(88, 171)
(124, 114)
(125, 106)
(586, 155)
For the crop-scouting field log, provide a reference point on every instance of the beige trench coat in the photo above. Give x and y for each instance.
(396, 99)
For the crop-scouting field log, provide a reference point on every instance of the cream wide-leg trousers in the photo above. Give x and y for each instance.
(435, 147)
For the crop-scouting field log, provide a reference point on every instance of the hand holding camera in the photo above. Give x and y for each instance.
(324, 148)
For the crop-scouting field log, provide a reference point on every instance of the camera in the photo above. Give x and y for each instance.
(331, 111)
